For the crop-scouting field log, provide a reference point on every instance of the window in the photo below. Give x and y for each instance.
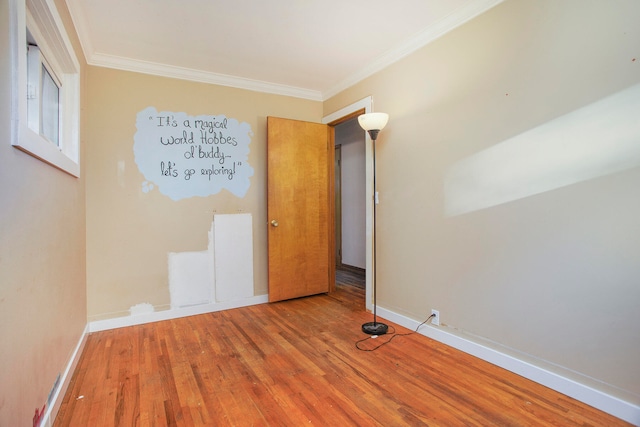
(43, 96)
(45, 86)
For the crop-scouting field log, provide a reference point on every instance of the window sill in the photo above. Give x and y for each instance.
(35, 145)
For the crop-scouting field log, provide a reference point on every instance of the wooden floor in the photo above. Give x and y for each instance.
(295, 363)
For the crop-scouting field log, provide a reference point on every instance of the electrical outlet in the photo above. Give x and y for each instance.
(435, 320)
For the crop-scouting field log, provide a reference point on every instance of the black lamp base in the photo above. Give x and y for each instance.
(375, 328)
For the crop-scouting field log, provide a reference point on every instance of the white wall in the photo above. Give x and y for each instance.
(351, 137)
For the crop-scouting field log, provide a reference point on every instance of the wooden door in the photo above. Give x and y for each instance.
(299, 208)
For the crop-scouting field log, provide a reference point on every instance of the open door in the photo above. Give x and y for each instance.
(300, 208)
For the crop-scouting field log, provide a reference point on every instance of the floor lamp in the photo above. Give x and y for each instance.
(373, 123)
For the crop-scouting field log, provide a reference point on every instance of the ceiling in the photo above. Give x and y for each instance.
(305, 48)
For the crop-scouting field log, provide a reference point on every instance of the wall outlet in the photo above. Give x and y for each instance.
(435, 320)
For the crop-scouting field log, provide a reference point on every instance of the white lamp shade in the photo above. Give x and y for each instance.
(373, 121)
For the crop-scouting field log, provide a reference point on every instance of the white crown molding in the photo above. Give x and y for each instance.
(79, 22)
(126, 64)
(463, 14)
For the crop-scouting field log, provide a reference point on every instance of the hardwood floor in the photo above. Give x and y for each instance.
(295, 363)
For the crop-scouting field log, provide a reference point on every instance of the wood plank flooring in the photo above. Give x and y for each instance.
(295, 363)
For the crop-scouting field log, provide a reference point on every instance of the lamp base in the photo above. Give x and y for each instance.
(375, 328)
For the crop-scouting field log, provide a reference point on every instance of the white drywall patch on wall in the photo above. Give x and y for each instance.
(222, 273)
(190, 281)
(187, 156)
(599, 139)
(142, 308)
(233, 256)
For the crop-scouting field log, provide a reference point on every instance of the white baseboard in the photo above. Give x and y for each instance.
(156, 316)
(56, 400)
(615, 406)
(619, 408)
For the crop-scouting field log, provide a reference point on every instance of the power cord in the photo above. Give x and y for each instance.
(393, 335)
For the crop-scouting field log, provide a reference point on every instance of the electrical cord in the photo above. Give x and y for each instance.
(393, 335)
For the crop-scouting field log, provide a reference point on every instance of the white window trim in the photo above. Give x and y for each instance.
(42, 18)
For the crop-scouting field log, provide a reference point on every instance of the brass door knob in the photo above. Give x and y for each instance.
(274, 223)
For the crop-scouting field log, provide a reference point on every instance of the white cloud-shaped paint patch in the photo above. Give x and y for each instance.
(186, 156)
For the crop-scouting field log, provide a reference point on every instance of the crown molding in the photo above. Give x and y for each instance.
(463, 14)
(80, 25)
(163, 70)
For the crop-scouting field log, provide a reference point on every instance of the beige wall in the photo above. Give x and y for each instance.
(129, 232)
(552, 277)
(42, 263)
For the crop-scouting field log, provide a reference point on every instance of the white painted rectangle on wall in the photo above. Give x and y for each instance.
(233, 256)
(190, 278)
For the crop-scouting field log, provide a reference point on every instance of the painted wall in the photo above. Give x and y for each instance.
(351, 138)
(42, 262)
(131, 230)
(550, 275)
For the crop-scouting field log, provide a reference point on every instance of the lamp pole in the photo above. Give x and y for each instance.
(373, 123)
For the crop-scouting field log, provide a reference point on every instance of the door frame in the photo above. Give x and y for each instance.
(365, 105)
(337, 190)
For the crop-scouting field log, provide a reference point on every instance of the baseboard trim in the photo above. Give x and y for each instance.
(615, 406)
(156, 316)
(101, 325)
(56, 401)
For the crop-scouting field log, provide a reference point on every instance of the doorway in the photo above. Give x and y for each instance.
(350, 203)
(348, 117)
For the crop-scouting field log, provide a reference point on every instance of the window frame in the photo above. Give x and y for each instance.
(38, 69)
(41, 17)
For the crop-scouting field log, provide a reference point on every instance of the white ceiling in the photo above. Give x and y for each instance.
(305, 48)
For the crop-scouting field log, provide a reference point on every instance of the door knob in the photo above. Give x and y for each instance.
(274, 223)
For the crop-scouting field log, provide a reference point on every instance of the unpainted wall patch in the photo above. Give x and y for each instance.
(142, 308)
